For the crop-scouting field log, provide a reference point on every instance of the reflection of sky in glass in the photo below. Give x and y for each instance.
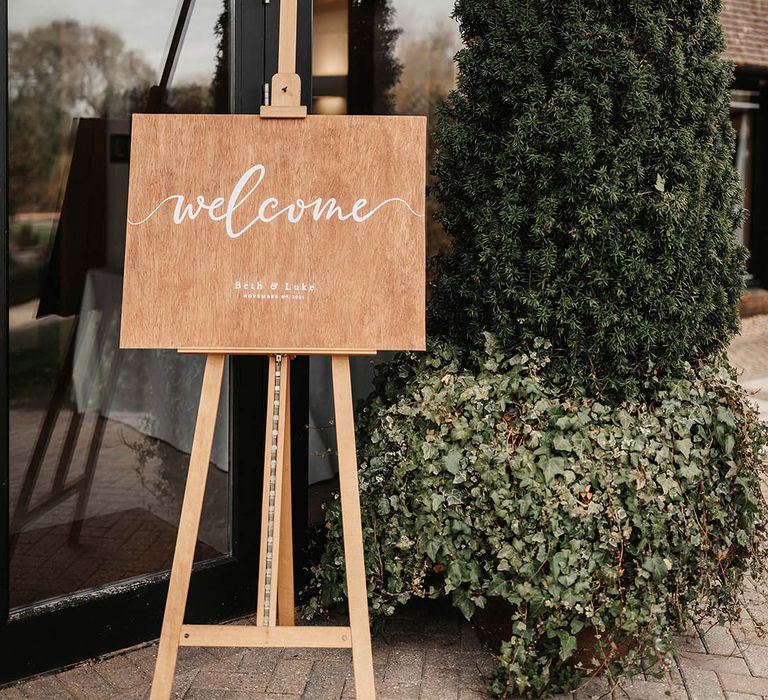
(420, 18)
(144, 25)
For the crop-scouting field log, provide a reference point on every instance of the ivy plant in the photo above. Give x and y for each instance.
(618, 520)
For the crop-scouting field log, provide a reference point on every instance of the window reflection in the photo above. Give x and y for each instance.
(745, 106)
(99, 438)
(375, 57)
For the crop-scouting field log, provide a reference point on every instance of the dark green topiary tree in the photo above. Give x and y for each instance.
(586, 179)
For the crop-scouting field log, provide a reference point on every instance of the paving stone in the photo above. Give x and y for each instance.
(338, 669)
(182, 682)
(702, 684)
(349, 684)
(343, 655)
(745, 631)
(719, 640)
(756, 658)
(140, 693)
(744, 684)
(469, 640)
(145, 656)
(380, 654)
(207, 694)
(227, 680)
(193, 659)
(647, 690)
(323, 687)
(711, 662)
(442, 641)
(220, 659)
(741, 696)
(11, 692)
(46, 688)
(84, 683)
(122, 673)
(290, 676)
(259, 660)
(690, 642)
(441, 683)
(390, 690)
(439, 658)
(405, 641)
(404, 666)
(472, 694)
(475, 671)
(261, 696)
(758, 611)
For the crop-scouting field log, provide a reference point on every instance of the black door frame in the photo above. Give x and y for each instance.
(65, 631)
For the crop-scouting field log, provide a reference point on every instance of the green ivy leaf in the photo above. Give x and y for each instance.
(656, 567)
(452, 461)
(684, 447)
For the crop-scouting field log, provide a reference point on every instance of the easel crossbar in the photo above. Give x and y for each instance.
(249, 636)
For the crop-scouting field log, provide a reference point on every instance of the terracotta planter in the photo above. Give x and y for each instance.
(493, 625)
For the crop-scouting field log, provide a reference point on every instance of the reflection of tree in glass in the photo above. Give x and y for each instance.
(429, 74)
(374, 70)
(220, 84)
(85, 70)
(387, 69)
(57, 72)
(188, 98)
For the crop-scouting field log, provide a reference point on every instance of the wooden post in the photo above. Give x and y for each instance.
(286, 83)
(189, 524)
(286, 605)
(289, 17)
(357, 590)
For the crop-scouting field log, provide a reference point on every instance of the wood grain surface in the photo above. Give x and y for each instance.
(321, 246)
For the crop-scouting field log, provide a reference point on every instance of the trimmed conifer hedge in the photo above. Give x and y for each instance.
(585, 172)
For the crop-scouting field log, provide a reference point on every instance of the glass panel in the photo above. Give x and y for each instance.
(376, 57)
(745, 106)
(99, 438)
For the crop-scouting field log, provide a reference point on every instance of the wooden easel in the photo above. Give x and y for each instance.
(274, 626)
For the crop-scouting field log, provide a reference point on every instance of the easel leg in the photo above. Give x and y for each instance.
(286, 605)
(189, 523)
(362, 656)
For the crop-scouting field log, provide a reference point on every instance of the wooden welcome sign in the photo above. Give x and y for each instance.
(252, 233)
(279, 235)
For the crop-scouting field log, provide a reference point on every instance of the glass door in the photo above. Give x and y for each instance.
(98, 438)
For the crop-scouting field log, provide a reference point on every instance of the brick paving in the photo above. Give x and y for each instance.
(427, 652)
